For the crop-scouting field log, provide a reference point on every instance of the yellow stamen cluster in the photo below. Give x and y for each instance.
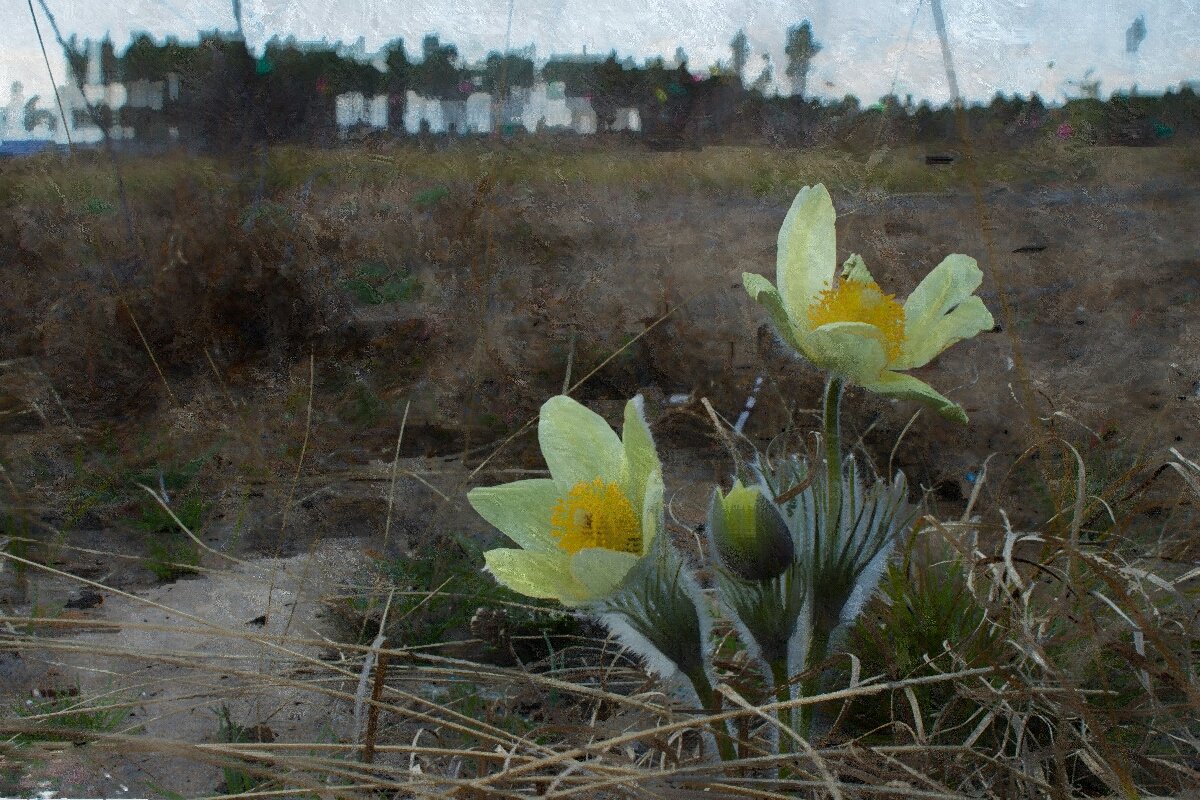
(862, 301)
(596, 514)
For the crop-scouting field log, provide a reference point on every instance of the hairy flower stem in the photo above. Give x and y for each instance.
(812, 684)
(783, 693)
(833, 448)
(710, 702)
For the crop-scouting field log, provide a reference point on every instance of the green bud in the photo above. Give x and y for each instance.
(749, 535)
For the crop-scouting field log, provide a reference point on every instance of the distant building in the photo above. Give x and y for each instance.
(454, 116)
(348, 109)
(540, 107)
(627, 119)
(583, 116)
(533, 108)
(479, 113)
(377, 111)
(145, 94)
(352, 109)
(421, 113)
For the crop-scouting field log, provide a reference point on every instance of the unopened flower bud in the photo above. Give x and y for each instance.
(749, 535)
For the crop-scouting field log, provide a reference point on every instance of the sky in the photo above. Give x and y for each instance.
(870, 47)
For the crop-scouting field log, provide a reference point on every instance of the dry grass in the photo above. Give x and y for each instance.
(1075, 677)
(1078, 679)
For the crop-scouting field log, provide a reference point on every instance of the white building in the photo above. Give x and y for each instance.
(533, 106)
(98, 95)
(627, 119)
(348, 109)
(352, 109)
(479, 113)
(418, 110)
(583, 116)
(454, 115)
(558, 115)
(377, 111)
(543, 106)
(145, 94)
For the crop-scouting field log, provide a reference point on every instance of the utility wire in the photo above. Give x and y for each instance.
(985, 222)
(62, 112)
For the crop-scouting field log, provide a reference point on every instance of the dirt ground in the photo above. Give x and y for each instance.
(1095, 286)
(1094, 283)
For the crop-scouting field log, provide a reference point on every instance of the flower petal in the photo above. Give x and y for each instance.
(853, 350)
(807, 255)
(653, 511)
(520, 510)
(764, 292)
(601, 571)
(544, 575)
(855, 269)
(967, 319)
(948, 284)
(577, 443)
(909, 388)
(640, 456)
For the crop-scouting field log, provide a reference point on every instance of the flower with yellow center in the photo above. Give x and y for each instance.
(582, 529)
(850, 327)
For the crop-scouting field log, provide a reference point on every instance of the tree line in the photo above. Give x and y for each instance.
(230, 98)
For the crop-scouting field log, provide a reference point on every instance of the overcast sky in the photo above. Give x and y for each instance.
(1010, 46)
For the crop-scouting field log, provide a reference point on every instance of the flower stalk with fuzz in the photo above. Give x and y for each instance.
(582, 529)
(842, 540)
(761, 587)
(850, 327)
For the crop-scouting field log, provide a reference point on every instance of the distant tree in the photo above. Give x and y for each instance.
(298, 97)
(1087, 86)
(438, 75)
(1135, 34)
(76, 59)
(397, 80)
(578, 77)
(399, 69)
(801, 49)
(763, 82)
(924, 122)
(610, 91)
(680, 57)
(741, 53)
(345, 74)
(145, 60)
(110, 66)
(223, 107)
(501, 73)
(34, 116)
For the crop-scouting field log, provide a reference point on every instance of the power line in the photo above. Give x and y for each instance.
(61, 111)
(508, 30)
(904, 52)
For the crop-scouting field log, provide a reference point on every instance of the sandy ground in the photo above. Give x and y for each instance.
(247, 637)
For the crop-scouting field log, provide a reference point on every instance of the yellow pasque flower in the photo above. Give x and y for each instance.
(851, 328)
(582, 529)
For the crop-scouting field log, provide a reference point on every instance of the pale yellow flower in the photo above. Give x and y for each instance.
(849, 326)
(582, 529)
